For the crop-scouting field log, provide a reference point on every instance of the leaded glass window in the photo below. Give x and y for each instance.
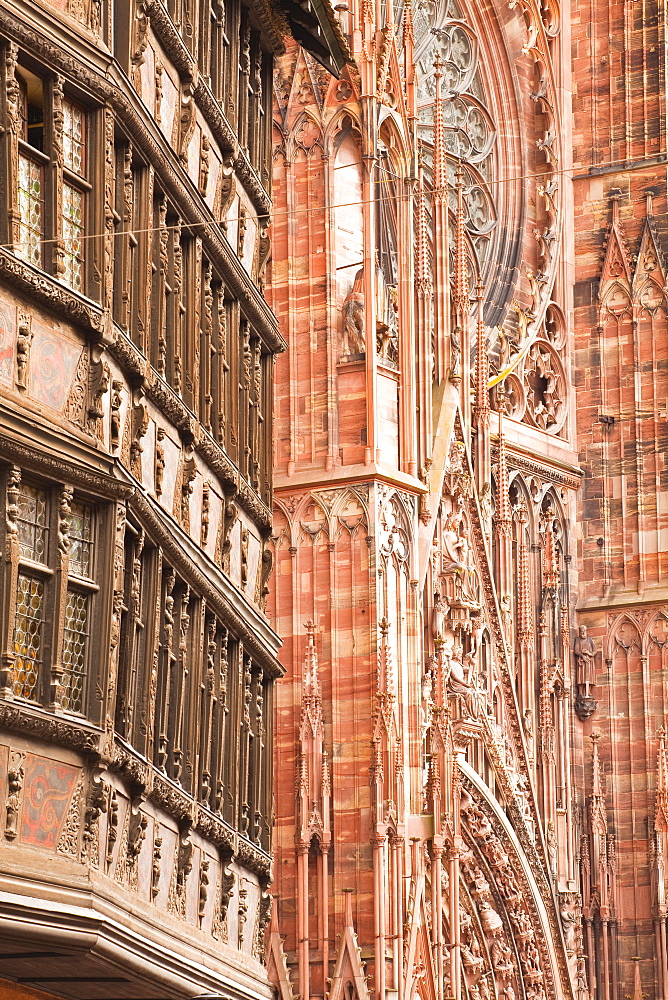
(28, 636)
(31, 210)
(73, 231)
(73, 138)
(31, 163)
(81, 539)
(75, 648)
(77, 608)
(74, 199)
(32, 524)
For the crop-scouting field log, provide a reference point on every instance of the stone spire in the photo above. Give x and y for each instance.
(525, 617)
(461, 278)
(597, 794)
(440, 234)
(422, 264)
(661, 801)
(440, 163)
(311, 708)
(482, 361)
(502, 517)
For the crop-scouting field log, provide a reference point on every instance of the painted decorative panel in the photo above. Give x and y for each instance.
(48, 788)
(53, 365)
(7, 339)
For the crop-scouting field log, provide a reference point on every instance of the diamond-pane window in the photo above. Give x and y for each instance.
(75, 643)
(81, 539)
(73, 232)
(31, 203)
(32, 524)
(28, 636)
(73, 138)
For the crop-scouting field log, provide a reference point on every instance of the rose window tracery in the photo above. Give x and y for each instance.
(546, 387)
(444, 34)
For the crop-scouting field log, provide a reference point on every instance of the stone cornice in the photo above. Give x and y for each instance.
(565, 476)
(320, 479)
(252, 184)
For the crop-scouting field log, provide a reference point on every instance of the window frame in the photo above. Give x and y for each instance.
(78, 584)
(80, 183)
(52, 690)
(57, 176)
(34, 569)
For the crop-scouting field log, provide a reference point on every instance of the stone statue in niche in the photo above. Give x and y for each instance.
(458, 682)
(387, 329)
(353, 318)
(456, 354)
(527, 721)
(458, 561)
(427, 698)
(584, 651)
(439, 613)
(353, 340)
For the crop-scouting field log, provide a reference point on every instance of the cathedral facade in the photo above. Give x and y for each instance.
(470, 503)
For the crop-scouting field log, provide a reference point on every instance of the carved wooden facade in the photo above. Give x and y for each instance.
(136, 664)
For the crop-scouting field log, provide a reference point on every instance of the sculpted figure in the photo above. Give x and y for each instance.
(441, 609)
(501, 958)
(452, 543)
(568, 920)
(455, 354)
(354, 341)
(353, 318)
(484, 990)
(458, 558)
(427, 699)
(387, 332)
(552, 853)
(528, 730)
(492, 923)
(584, 649)
(458, 683)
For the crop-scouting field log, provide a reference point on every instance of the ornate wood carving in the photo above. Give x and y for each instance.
(15, 775)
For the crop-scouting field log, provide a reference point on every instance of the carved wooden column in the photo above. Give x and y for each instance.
(118, 560)
(9, 580)
(60, 595)
(11, 126)
(54, 224)
(161, 291)
(181, 685)
(153, 648)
